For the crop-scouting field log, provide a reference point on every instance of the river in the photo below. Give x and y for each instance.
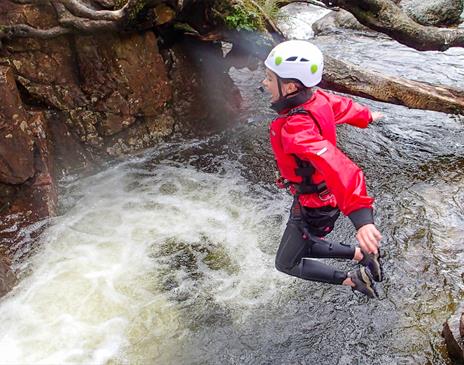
(167, 257)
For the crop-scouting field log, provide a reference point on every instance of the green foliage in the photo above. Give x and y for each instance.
(270, 8)
(118, 4)
(240, 18)
(187, 28)
(244, 14)
(136, 9)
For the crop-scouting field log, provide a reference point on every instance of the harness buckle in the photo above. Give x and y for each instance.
(325, 195)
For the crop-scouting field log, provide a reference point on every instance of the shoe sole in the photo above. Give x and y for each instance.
(368, 281)
(378, 276)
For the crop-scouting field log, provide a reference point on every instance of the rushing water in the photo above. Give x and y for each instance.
(167, 258)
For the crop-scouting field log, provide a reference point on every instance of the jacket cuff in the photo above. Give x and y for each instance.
(361, 217)
(370, 117)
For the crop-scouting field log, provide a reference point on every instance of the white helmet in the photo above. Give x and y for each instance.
(299, 60)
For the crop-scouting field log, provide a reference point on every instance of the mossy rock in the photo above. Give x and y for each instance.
(219, 259)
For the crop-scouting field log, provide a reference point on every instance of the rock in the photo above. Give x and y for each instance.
(125, 76)
(26, 166)
(16, 146)
(431, 12)
(101, 84)
(434, 12)
(452, 333)
(71, 100)
(38, 195)
(42, 194)
(68, 152)
(7, 277)
(105, 84)
(141, 135)
(335, 20)
(107, 4)
(164, 14)
(461, 325)
(46, 69)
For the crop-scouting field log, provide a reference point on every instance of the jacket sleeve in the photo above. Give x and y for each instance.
(347, 111)
(343, 177)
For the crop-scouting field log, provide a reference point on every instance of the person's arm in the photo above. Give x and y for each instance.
(347, 111)
(343, 177)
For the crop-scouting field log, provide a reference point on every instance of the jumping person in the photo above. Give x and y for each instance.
(322, 179)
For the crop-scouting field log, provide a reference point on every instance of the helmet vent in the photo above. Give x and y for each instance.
(304, 60)
(292, 58)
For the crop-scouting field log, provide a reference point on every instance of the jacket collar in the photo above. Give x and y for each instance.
(283, 105)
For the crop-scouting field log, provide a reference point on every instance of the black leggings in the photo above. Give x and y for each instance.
(302, 239)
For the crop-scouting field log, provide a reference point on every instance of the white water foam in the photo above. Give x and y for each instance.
(96, 291)
(296, 20)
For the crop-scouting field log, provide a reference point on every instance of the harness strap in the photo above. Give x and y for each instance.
(309, 189)
(305, 169)
(305, 112)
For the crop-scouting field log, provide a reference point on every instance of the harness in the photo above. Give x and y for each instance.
(305, 169)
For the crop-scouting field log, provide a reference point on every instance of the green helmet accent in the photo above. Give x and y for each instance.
(314, 68)
(278, 60)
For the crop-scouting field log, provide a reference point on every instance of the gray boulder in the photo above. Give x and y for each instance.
(434, 12)
(336, 20)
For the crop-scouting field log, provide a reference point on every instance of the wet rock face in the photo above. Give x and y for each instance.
(7, 277)
(71, 101)
(24, 150)
(16, 146)
(67, 102)
(26, 170)
(108, 86)
(102, 84)
(123, 77)
(434, 12)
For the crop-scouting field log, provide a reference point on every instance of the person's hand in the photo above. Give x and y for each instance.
(369, 238)
(376, 116)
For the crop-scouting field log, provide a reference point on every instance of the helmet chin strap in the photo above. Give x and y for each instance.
(281, 95)
(292, 100)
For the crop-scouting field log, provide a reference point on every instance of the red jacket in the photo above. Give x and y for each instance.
(298, 135)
